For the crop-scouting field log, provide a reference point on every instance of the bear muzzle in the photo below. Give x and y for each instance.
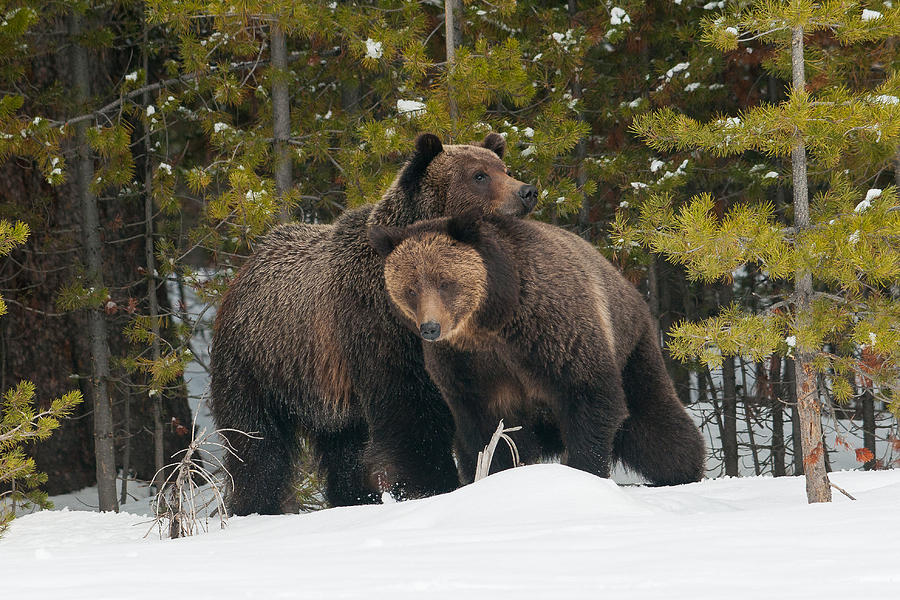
(528, 195)
(430, 330)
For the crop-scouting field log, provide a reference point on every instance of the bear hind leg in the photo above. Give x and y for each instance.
(260, 469)
(340, 456)
(658, 439)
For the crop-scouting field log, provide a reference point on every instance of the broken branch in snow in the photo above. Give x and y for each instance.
(486, 456)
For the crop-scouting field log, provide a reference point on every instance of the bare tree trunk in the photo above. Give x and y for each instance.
(729, 399)
(584, 216)
(126, 449)
(451, 39)
(776, 394)
(868, 409)
(790, 396)
(729, 417)
(104, 442)
(818, 488)
(281, 116)
(897, 168)
(713, 398)
(751, 436)
(156, 396)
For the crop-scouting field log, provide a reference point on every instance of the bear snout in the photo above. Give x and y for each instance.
(430, 330)
(528, 194)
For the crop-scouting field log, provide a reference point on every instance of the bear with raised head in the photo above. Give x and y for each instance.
(526, 322)
(306, 345)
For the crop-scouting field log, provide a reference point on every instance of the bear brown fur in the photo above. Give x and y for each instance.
(526, 322)
(306, 345)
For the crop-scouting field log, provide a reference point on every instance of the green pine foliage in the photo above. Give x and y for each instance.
(852, 248)
(21, 422)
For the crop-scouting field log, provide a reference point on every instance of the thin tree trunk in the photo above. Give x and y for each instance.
(156, 396)
(584, 216)
(818, 488)
(729, 399)
(868, 408)
(790, 382)
(451, 39)
(126, 449)
(729, 417)
(897, 168)
(104, 441)
(777, 403)
(281, 117)
(751, 436)
(713, 397)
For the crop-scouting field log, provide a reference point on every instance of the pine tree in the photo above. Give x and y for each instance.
(21, 423)
(841, 252)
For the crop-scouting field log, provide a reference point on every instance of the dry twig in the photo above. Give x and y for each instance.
(486, 456)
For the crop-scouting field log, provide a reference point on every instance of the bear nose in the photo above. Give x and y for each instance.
(528, 195)
(430, 330)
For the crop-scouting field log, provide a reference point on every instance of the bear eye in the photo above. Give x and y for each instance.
(480, 176)
(444, 285)
(412, 293)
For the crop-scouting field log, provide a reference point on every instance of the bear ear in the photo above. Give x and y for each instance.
(465, 228)
(384, 239)
(496, 143)
(428, 146)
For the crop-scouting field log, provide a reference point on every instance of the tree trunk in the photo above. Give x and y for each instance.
(776, 394)
(818, 488)
(281, 116)
(156, 396)
(584, 215)
(868, 410)
(790, 382)
(451, 40)
(104, 442)
(751, 436)
(729, 417)
(729, 399)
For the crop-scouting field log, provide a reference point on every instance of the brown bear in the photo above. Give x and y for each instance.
(527, 322)
(306, 345)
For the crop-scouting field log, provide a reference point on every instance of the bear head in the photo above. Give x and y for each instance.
(447, 277)
(450, 180)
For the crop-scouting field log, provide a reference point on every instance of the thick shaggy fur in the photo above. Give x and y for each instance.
(537, 328)
(306, 345)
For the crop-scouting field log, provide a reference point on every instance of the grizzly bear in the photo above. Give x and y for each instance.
(306, 345)
(527, 322)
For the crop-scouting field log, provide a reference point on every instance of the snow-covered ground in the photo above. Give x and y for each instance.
(544, 531)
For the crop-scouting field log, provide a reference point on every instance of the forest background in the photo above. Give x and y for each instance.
(146, 146)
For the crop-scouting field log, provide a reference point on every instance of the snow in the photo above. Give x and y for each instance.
(870, 15)
(617, 16)
(373, 48)
(410, 107)
(544, 531)
(886, 99)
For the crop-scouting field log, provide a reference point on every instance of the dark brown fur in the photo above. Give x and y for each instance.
(551, 337)
(306, 344)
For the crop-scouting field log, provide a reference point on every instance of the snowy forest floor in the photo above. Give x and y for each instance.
(544, 531)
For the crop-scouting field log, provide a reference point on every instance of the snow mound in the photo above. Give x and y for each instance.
(544, 531)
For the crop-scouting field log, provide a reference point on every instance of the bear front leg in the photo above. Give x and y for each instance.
(589, 419)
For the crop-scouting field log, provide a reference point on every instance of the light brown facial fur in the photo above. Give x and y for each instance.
(483, 180)
(435, 279)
